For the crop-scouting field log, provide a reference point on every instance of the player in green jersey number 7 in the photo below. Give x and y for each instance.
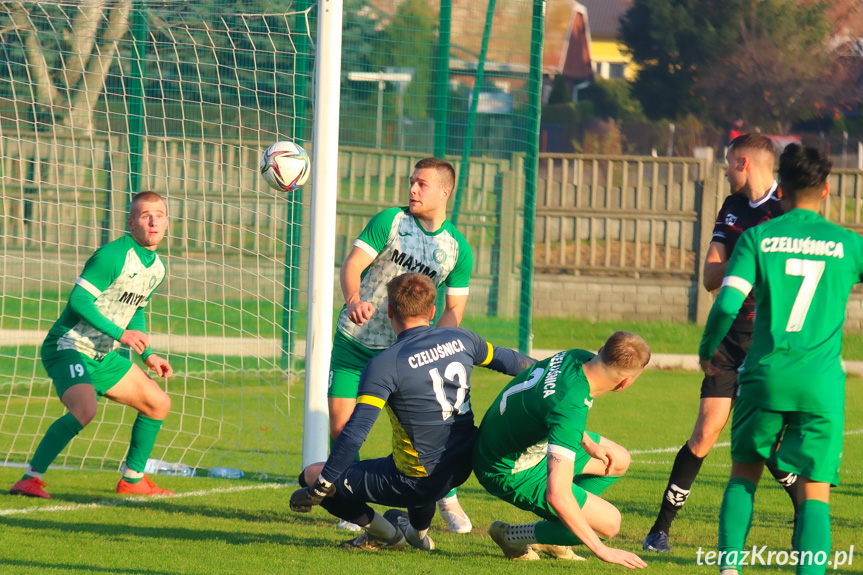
(791, 401)
(106, 309)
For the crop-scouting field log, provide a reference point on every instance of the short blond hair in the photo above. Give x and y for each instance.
(625, 352)
(146, 196)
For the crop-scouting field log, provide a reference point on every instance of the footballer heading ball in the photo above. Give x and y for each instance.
(285, 166)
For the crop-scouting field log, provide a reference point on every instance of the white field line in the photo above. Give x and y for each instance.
(723, 444)
(141, 499)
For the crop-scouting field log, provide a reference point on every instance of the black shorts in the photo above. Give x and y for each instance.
(732, 349)
(379, 481)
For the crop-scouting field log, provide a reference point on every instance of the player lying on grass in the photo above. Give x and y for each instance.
(423, 380)
(106, 309)
(789, 411)
(532, 450)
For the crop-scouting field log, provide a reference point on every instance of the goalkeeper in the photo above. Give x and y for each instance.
(106, 309)
(423, 380)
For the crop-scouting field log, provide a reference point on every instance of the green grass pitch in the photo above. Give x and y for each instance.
(226, 527)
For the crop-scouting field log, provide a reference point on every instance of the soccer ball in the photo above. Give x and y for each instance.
(285, 166)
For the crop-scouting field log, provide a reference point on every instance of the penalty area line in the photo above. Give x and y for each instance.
(139, 499)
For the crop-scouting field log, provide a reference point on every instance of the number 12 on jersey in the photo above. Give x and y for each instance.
(454, 374)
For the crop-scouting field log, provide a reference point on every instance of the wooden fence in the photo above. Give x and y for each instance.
(631, 216)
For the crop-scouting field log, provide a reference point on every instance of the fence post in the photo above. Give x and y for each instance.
(507, 290)
(706, 218)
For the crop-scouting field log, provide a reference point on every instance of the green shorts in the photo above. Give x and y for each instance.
(69, 367)
(808, 444)
(347, 363)
(526, 489)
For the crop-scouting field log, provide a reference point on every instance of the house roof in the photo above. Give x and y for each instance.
(566, 46)
(604, 16)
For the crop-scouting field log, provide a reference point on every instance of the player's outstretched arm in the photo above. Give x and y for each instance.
(560, 497)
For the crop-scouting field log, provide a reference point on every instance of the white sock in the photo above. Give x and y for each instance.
(130, 474)
(33, 473)
(521, 533)
(414, 534)
(380, 528)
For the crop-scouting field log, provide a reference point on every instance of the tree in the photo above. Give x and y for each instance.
(767, 62)
(670, 41)
(777, 66)
(68, 66)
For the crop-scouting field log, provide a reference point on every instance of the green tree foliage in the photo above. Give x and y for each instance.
(768, 62)
(671, 41)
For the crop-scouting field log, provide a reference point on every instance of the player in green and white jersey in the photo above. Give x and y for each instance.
(417, 238)
(106, 309)
(791, 400)
(533, 450)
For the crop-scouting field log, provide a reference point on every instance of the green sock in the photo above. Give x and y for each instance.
(452, 493)
(735, 519)
(813, 536)
(144, 432)
(56, 439)
(595, 484)
(554, 533)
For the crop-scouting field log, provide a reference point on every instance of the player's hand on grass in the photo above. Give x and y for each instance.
(160, 366)
(305, 498)
(621, 557)
(137, 340)
(360, 312)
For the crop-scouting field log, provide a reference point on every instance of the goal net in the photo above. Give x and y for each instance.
(101, 99)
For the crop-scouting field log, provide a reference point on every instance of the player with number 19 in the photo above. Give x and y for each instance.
(423, 381)
(801, 269)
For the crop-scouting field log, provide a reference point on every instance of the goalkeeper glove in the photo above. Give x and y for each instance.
(304, 499)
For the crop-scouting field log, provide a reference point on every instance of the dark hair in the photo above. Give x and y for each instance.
(754, 142)
(411, 295)
(444, 170)
(803, 172)
(625, 351)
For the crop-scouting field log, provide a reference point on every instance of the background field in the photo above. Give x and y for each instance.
(221, 526)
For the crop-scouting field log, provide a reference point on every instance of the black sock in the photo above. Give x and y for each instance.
(683, 473)
(789, 482)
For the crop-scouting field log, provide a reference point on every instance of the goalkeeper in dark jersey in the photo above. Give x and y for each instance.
(423, 382)
(789, 410)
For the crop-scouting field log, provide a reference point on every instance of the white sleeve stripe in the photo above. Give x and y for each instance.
(558, 450)
(93, 290)
(457, 290)
(366, 248)
(737, 283)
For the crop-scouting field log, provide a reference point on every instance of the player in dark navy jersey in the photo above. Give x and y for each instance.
(423, 382)
(752, 202)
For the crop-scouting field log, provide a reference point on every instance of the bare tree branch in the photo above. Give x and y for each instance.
(82, 38)
(46, 93)
(85, 99)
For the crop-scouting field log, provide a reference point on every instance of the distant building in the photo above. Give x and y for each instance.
(566, 54)
(608, 55)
